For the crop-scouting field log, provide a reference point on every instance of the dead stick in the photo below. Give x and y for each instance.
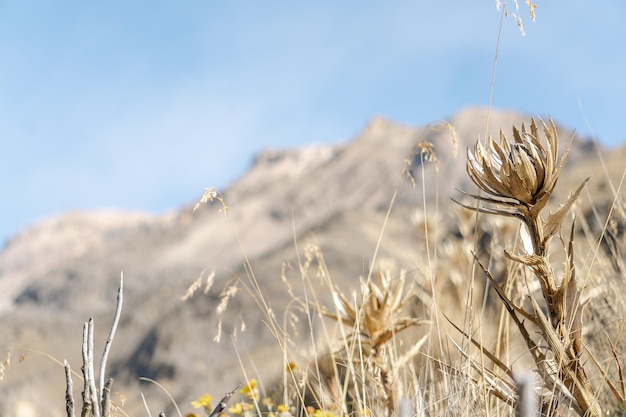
(69, 390)
(106, 398)
(221, 406)
(86, 409)
(107, 345)
(94, 397)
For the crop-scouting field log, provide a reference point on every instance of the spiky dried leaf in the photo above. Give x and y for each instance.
(555, 220)
(569, 369)
(573, 303)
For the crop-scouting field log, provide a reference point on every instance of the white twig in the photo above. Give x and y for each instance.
(145, 404)
(87, 404)
(107, 345)
(95, 398)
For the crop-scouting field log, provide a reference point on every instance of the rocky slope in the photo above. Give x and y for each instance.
(58, 273)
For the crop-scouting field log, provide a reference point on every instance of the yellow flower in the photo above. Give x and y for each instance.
(250, 390)
(250, 386)
(204, 401)
(323, 413)
(236, 409)
(282, 408)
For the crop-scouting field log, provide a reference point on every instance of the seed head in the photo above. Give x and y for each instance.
(522, 171)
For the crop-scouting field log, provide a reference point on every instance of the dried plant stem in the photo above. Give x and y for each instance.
(87, 368)
(145, 404)
(69, 390)
(93, 392)
(519, 176)
(143, 378)
(563, 330)
(106, 399)
(96, 402)
(221, 406)
(107, 345)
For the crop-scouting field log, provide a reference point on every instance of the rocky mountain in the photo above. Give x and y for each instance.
(56, 274)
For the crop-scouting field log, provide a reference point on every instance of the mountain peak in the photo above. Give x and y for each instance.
(295, 158)
(380, 130)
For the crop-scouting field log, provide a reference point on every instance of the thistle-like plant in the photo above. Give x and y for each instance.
(375, 318)
(519, 176)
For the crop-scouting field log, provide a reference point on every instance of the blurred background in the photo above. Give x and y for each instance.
(141, 105)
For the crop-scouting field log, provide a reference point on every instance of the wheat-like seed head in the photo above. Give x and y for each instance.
(377, 315)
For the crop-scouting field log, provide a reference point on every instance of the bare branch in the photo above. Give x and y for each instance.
(221, 406)
(87, 404)
(106, 398)
(107, 345)
(69, 390)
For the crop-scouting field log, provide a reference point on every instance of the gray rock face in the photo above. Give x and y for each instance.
(58, 273)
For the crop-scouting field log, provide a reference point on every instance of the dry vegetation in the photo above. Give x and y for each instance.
(526, 333)
(531, 325)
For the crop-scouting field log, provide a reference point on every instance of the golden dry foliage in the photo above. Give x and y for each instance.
(374, 318)
(519, 176)
(377, 315)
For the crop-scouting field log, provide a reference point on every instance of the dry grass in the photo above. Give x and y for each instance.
(384, 348)
(523, 329)
(496, 320)
(510, 336)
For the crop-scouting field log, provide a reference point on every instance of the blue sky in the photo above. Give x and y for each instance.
(140, 105)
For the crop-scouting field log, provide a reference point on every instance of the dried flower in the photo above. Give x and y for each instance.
(376, 315)
(520, 177)
(524, 170)
(268, 403)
